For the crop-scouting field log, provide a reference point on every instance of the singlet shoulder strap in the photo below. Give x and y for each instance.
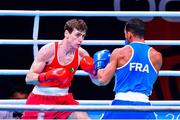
(55, 53)
(76, 56)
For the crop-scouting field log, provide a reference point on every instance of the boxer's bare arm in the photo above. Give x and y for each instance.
(105, 75)
(42, 58)
(156, 59)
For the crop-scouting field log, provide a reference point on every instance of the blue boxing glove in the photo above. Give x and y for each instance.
(101, 59)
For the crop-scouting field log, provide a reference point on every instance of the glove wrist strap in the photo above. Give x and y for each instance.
(42, 77)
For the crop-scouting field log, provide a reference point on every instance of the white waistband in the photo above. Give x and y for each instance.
(132, 96)
(50, 91)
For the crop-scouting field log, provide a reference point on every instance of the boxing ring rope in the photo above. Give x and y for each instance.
(90, 13)
(93, 102)
(8, 105)
(81, 72)
(88, 42)
(87, 108)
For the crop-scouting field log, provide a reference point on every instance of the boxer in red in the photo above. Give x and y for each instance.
(53, 70)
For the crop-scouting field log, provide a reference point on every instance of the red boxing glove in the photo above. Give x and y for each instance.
(59, 74)
(87, 64)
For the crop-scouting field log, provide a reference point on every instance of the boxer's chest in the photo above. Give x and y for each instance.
(65, 59)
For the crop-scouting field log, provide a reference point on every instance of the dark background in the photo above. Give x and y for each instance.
(100, 28)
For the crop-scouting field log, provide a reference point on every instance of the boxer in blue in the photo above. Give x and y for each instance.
(135, 66)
